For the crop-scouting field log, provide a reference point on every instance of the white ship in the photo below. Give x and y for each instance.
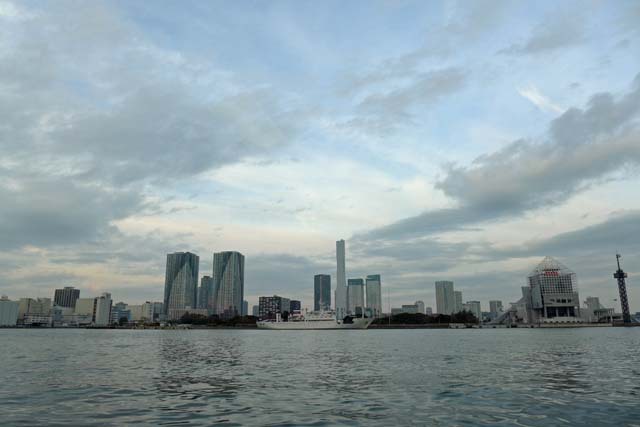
(323, 320)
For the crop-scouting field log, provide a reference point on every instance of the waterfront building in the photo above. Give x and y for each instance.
(321, 292)
(151, 311)
(374, 295)
(410, 308)
(341, 279)
(228, 280)
(180, 283)
(474, 307)
(428, 311)
(137, 312)
(355, 297)
(8, 311)
(120, 310)
(207, 294)
(83, 312)
(245, 308)
(295, 306)
(554, 291)
(457, 295)
(66, 297)
(595, 312)
(495, 307)
(102, 311)
(34, 312)
(445, 298)
(420, 306)
(62, 316)
(255, 311)
(269, 307)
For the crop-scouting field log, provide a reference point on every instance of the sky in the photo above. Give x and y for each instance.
(445, 140)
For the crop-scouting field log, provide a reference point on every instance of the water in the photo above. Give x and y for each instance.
(376, 377)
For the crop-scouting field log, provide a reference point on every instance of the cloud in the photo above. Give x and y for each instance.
(560, 30)
(97, 119)
(584, 145)
(534, 95)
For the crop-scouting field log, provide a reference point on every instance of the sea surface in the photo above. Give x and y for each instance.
(524, 377)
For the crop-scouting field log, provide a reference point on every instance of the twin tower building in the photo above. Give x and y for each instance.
(222, 293)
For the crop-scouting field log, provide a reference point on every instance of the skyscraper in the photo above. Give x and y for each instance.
(102, 310)
(245, 308)
(374, 294)
(321, 292)
(355, 297)
(207, 294)
(180, 284)
(228, 281)
(341, 279)
(458, 301)
(495, 307)
(445, 299)
(66, 297)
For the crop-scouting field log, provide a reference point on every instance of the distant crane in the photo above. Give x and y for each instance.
(622, 288)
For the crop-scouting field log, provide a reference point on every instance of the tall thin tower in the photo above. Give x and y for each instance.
(341, 279)
(622, 288)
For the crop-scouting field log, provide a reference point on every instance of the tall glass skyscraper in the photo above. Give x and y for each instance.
(228, 281)
(321, 292)
(206, 294)
(355, 296)
(180, 284)
(445, 298)
(374, 295)
(341, 279)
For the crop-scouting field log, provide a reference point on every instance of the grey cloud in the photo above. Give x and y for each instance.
(95, 118)
(425, 89)
(560, 30)
(43, 212)
(584, 146)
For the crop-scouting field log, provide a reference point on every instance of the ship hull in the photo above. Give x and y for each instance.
(315, 325)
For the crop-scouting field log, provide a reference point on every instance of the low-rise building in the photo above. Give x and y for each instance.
(8, 311)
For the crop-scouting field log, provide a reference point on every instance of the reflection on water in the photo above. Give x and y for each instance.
(389, 377)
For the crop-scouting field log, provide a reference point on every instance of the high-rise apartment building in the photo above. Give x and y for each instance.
(457, 295)
(66, 297)
(102, 310)
(245, 308)
(355, 297)
(8, 311)
(321, 292)
(495, 307)
(180, 284)
(420, 305)
(474, 307)
(341, 279)
(445, 298)
(228, 282)
(207, 294)
(374, 295)
(255, 310)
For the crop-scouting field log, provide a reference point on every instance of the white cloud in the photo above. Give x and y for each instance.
(537, 98)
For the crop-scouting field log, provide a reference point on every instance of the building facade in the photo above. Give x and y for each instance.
(102, 311)
(554, 291)
(35, 312)
(207, 294)
(355, 297)
(228, 279)
(474, 307)
(8, 311)
(495, 307)
(374, 295)
(321, 292)
(457, 295)
(445, 297)
(270, 307)
(66, 297)
(420, 305)
(341, 279)
(180, 283)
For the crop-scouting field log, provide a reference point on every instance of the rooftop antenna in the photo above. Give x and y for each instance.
(622, 288)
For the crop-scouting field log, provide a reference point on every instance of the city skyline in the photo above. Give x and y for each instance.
(442, 141)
